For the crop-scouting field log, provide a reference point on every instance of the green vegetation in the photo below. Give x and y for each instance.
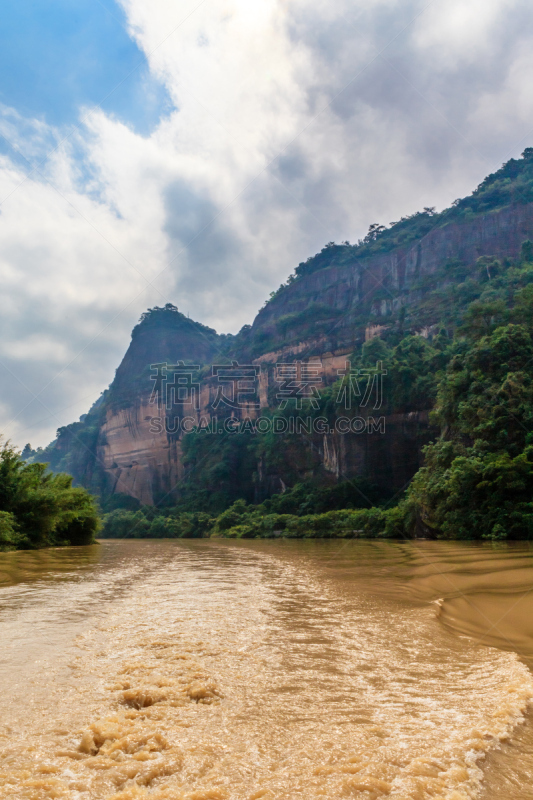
(40, 509)
(299, 511)
(152, 523)
(477, 481)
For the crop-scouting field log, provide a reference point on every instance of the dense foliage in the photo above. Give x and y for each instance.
(478, 477)
(41, 509)
(300, 501)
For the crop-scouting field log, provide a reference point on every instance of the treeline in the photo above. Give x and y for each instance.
(303, 501)
(41, 509)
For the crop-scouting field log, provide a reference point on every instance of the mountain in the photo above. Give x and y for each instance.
(397, 297)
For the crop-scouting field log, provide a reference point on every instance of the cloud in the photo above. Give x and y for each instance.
(292, 123)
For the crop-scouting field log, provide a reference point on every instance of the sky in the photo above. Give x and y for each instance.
(195, 151)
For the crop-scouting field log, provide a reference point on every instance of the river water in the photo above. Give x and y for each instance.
(213, 670)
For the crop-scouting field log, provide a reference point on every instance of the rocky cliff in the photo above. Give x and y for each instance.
(352, 291)
(398, 280)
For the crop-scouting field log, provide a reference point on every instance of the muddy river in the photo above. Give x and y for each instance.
(212, 670)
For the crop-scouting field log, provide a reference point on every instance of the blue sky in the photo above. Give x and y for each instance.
(59, 55)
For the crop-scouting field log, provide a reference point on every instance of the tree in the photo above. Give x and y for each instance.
(40, 509)
(526, 252)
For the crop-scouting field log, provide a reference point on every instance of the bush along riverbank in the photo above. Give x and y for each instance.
(40, 509)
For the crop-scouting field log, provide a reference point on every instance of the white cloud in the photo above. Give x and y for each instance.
(461, 31)
(296, 122)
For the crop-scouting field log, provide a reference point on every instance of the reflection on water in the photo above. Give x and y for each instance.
(52, 564)
(205, 670)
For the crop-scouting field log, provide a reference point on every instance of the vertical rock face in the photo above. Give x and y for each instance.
(131, 442)
(136, 460)
(144, 459)
(352, 287)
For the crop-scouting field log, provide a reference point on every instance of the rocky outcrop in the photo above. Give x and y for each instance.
(350, 289)
(136, 460)
(321, 316)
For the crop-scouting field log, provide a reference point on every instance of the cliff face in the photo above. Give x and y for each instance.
(322, 316)
(396, 281)
(163, 336)
(134, 460)
(378, 285)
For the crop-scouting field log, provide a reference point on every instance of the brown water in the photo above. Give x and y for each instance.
(211, 670)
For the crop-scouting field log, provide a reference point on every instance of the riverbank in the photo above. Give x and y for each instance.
(242, 521)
